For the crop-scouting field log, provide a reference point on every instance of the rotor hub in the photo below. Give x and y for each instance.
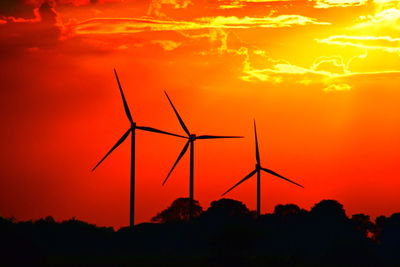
(192, 137)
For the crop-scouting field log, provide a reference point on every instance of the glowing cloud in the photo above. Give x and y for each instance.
(167, 45)
(277, 71)
(226, 4)
(385, 21)
(337, 87)
(265, 22)
(232, 6)
(134, 25)
(156, 5)
(384, 43)
(339, 3)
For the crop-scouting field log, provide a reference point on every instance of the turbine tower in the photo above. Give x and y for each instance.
(190, 143)
(132, 131)
(258, 170)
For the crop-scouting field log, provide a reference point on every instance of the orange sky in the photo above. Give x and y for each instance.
(320, 77)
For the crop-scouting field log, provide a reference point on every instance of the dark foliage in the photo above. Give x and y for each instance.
(178, 211)
(226, 234)
(227, 209)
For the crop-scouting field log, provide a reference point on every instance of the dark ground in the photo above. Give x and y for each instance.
(227, 234)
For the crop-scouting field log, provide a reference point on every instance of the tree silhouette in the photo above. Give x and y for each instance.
(387, 234)
(362, 223)
(288, 210)
(226, 207)
(178, 211)
(328, 208)
(227, 234)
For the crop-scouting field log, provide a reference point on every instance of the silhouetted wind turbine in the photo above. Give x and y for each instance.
(258, 170)
(131, 130)
(191, 139)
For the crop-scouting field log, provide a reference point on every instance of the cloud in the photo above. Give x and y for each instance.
(318, 4)
(232, 5)
(45, 13)
(214, 29)
(167, 45)
(110, 34)
(270, 1)
(384, 43)
(279, 70)
(156, 6)
(273, 70)
(135, 25)
(17, 8)
(382, 22)
(228, 4)
(132, 25)
(43, 30)
(337, 87)
(332, 73)
(377, 31)
(331, 64)
(76, 3)
(262, 22)
(339, 3)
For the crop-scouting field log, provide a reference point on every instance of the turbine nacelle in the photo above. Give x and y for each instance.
(192, 137)
(258, 167)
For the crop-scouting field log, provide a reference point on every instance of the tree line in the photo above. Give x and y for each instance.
(226, 234)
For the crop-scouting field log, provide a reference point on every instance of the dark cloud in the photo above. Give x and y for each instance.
(15, 8)
(47, 13)
(41, 31)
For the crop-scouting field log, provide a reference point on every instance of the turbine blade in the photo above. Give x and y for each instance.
(177, 115)
(216, 137)
(241, 181)
(280, 176)
(256, 139)
(151, 129)
(185, 148)
(126, 107)
(122, 139)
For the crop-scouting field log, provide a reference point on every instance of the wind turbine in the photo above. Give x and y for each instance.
(191, 139)
(132, 131)
(258, 170)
